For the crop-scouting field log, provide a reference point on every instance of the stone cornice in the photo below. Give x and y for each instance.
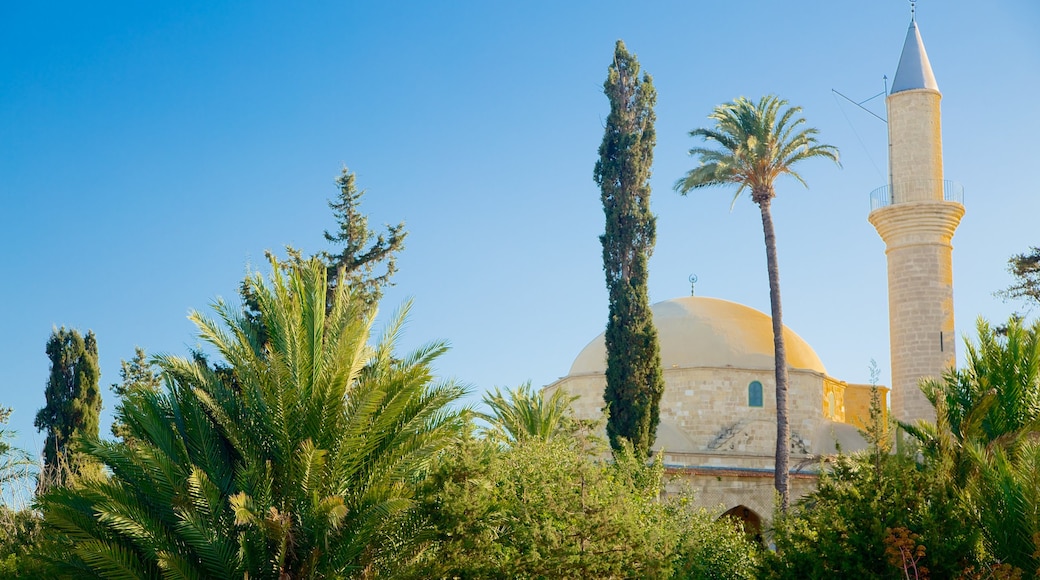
(917, 223)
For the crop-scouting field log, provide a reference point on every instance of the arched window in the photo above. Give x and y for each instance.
(754, 394)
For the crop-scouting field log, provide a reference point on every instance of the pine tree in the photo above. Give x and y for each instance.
(73, 404)
(1025, 269)
(634, 380)
(135, 376)
(356, 262)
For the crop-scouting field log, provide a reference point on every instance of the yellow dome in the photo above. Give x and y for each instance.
(707, 332)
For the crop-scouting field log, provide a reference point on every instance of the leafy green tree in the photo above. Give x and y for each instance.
(1025, 268)
(839, 530)
(634, 379)
(523, 413)
(72, 407)
(136, 375)
(708, 548)
(358, 263)
(754, 144)
(546, 509)
(303, 467)
(19, 537)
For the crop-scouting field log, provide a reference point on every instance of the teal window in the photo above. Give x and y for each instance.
(754, 394)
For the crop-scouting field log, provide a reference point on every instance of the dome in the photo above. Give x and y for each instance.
(695, 331)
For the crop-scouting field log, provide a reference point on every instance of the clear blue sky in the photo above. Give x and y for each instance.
(151, 152)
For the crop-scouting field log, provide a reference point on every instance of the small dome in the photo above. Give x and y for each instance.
(695, 331)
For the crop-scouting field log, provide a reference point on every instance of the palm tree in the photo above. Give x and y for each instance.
(986, 437)
(522, 413)
(756, 144)
(297, 461)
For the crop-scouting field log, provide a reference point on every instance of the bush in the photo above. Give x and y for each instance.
(547, 509)
(840, 530)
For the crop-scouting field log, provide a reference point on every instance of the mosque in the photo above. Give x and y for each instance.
(718, 412)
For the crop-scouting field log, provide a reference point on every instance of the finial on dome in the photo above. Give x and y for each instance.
(913, 9)
(693, 282)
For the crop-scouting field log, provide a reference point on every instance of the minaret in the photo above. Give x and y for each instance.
(916, 215)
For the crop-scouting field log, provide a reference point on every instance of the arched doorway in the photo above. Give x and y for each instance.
(751, 521)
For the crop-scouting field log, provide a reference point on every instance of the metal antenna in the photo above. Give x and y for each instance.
(693, 283)
(860, 104)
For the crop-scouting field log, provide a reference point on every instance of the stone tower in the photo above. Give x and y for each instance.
(916, 215)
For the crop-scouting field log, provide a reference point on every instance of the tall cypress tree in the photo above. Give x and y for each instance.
(634, 379)
(73, 403)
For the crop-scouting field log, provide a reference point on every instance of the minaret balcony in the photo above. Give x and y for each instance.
(912, 190)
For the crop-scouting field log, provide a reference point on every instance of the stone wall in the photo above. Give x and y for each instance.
(709, 408)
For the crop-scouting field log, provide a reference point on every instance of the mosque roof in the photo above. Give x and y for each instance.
(914, 70)
(697, 331)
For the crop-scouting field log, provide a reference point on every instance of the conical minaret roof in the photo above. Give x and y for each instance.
(914, 72)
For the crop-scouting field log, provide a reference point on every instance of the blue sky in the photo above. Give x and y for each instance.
(151, 152)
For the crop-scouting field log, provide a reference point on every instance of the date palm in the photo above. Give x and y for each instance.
(986, 436)
(753, 144)
(522, 413)
(295, 460)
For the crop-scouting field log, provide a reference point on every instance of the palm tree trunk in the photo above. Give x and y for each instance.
(783, 430)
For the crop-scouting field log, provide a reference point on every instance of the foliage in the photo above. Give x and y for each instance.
(710, 549)
(19, 536)
(546, 509)
(1025, 268)
(136, 375)
(634, 379)
(15, 464)
(840, 530)
(303, 466)
(1006, 496)
(876, 514)
(355, 264)
(756, 143)
(19, 527)
(993, 400)
(879, 431)
(72, 407)
(523, 413)
(987, 437)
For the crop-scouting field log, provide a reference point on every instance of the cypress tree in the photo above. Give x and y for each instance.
(73, 404)
(634, 379)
